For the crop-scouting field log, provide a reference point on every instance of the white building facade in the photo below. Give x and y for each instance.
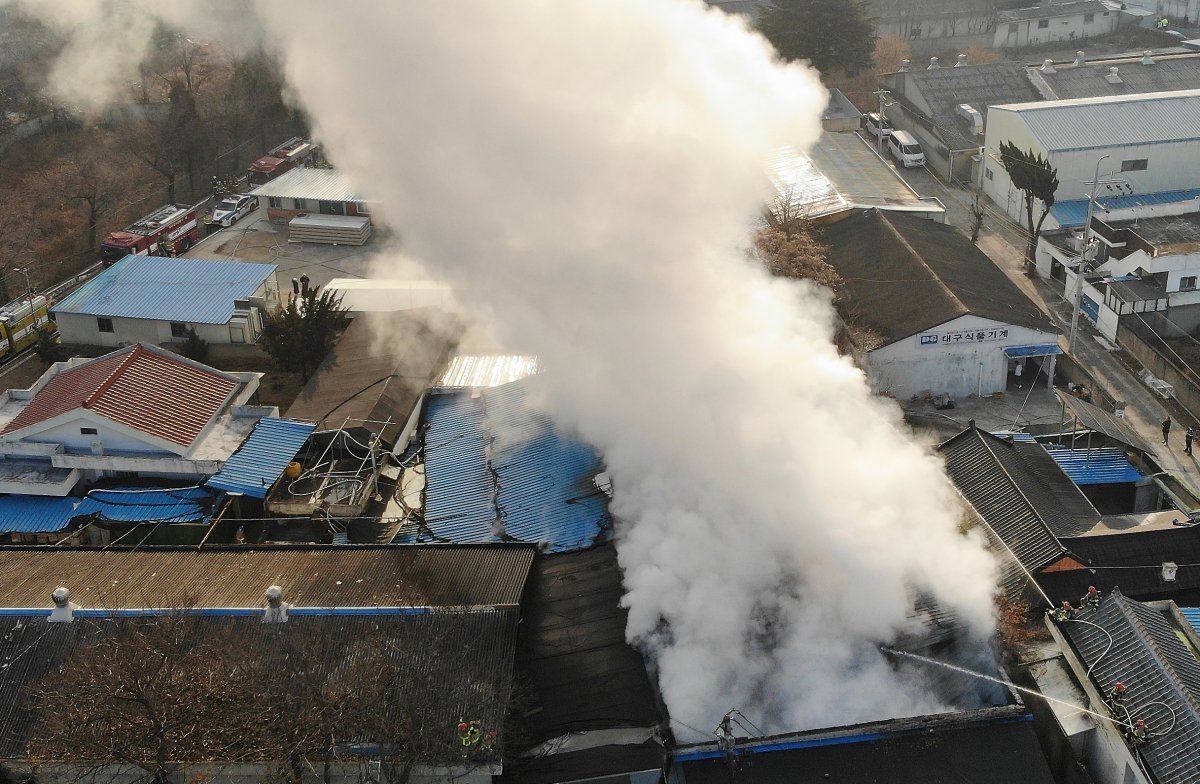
(1148, 142)
(1047, 23)
(969, 355)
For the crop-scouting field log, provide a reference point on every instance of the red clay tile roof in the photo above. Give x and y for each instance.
(149, 391)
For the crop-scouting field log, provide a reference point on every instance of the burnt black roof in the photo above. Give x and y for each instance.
(904, 274)
(1018, 497)
(581, 673)
(994, 746)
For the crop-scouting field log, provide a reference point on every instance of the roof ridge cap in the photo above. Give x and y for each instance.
(936, 278)
(111, 378)
(1062, 550)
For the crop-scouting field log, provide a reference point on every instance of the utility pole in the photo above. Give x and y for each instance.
(1089, 251)
(884, 97)
(28, 292)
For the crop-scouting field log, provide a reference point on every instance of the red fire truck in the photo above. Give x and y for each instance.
(166, 231)
(292, 153)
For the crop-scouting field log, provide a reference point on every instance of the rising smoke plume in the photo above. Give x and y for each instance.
(586, 172)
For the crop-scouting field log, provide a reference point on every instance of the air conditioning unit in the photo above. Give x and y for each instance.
(972, 116)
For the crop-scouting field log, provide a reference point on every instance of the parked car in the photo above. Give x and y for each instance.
(875, 125)
(232, 208)
(905, 149)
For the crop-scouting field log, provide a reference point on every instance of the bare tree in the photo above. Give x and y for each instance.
(977, 214)
(797, 255)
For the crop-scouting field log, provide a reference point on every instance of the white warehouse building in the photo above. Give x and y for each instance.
(1151, 140)
(937, 315)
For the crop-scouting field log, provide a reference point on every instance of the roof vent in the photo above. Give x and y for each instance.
(64, 608)
(905, 66)
(962, 60)
(933, 63)
(1114, 76)
(972, 116)
(1047, 67)
(277, 608)
(1169, 568)
(1078, 58)
(1147, 57)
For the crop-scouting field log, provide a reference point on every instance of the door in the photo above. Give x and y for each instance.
(332, 208)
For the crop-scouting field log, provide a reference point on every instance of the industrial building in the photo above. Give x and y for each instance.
(1150, 141)
(1048, 22)
(938, 315)
(154, 300)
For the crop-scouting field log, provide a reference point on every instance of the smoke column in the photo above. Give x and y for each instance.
(586, 172)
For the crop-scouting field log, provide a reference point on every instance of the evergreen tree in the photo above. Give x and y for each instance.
(1037, 180)
(831, 34)
(299, 336)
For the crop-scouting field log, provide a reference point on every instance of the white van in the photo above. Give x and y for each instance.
(906, 149)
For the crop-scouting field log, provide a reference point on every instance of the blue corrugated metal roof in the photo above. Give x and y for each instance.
(488, 457)
(262, 458)
(1095, 467)
(31, 514)
(1193, 616)
(155, 505)
(1072, 214)
(196, 291)
(39, 514)
(1040, 350)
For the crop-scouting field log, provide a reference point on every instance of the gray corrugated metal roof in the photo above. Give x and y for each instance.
(1093, 417)
(319, 184)
(1140, 647)
(1112, 121)
(253, 469)
(984, 470)
(1090, 80)
(197, 291)
(342, 576)
(1054, 10)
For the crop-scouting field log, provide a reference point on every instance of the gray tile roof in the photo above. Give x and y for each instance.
(1147, 654)
(1167, 74)
(988, 473)
(980, 86)
(904, 275)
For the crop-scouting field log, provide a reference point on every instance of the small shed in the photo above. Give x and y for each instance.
(310, 192)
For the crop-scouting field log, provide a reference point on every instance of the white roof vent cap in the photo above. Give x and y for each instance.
(1047, 67)
(1114, 76)
(277, 608)
(1147, 57)
(64, 608)
(1079, 58)
(962, 60)
(905, 66)
(933, 63)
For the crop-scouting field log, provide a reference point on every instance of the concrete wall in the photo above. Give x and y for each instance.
(114, 440)
(908, 367)
(1027, 32)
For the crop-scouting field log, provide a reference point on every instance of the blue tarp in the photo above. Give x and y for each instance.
(1096, 466)
(262, 458)
(1072, 214)
(33, 514)
(39, 514)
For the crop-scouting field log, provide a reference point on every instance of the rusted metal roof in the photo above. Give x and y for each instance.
(343, 576)
(143, 388)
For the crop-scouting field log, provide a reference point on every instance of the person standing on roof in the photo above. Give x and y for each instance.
(1166, 428)
(1189, 435)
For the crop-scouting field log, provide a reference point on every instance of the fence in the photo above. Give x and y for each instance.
(1141, 334)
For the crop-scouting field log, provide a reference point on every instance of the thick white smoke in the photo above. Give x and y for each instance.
(586, 172)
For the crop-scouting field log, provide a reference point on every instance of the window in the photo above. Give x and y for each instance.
(179, 330)
(105, 325)
(363, 208)
(1089, 18)
(301, 204)
(274, 201)
(1188, 283)
(1137, 164)
(1043, 24)
(88, 431)
(988, 173)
